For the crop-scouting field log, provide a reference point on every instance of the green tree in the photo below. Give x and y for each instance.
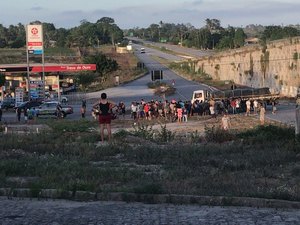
(104, 64)
(154, 32)
(85, 79)
(108, 31)
(213, 25)
(239, 38)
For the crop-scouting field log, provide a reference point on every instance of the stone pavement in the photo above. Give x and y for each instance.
(63, 212)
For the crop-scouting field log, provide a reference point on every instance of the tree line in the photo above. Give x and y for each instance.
(105, 31)
(211, 36)
(87, 34)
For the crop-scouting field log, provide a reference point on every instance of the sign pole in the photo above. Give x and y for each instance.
(43, 62)
(28, 72)
(43, 68)
(34, 45)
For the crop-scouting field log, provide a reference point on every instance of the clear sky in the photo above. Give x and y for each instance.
(142, 13)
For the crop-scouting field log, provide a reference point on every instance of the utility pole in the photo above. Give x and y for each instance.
(297, 112)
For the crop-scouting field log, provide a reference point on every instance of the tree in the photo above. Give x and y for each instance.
(85, 79)
(213, 25)
(109, 31)
(239, 38)
(103, 64)
(154, 32)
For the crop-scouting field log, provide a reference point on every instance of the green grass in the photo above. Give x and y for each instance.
(263, 162)
(59, 52)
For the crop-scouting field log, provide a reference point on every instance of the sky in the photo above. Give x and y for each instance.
(141, 13)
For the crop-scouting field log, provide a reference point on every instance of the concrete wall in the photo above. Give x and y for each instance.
(275, 66)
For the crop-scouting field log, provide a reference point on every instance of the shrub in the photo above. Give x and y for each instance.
(143, 130)
(270, 132)
(165, 135)
(217, 135)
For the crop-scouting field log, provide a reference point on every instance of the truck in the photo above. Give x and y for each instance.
(262, 94)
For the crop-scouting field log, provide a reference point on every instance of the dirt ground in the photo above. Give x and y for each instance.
(238, 122)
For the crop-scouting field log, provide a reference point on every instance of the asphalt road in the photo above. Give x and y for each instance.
(138, 89)
(183, 51)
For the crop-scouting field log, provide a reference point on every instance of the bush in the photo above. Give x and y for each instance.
(144, 131)
(218, 135)
(165, 135)
(270, 132)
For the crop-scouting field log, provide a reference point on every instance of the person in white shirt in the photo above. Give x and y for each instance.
(225, 122)
(255, 106)
(248, 107)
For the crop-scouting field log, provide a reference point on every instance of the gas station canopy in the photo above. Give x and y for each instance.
(49, 67)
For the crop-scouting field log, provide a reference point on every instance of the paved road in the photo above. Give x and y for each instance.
(62, 212)
(138, 89)
(195, 53)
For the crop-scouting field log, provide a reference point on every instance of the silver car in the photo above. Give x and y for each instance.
(51, 109)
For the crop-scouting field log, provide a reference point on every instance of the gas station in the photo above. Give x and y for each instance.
(36, 81)
(58, 79)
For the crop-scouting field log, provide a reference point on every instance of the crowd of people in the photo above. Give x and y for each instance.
(181, 110)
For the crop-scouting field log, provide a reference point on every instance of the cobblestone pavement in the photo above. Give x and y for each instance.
(62, 212)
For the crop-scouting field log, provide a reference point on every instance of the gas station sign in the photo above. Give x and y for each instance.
(35, 39)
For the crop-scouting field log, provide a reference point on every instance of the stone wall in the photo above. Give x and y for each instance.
(275, 65)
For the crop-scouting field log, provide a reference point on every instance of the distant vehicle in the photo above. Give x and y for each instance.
(143, 50)
(200, 95)
(50, 109)
(29, 104)
(8, 103)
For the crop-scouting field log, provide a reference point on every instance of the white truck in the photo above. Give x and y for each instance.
(244, 94)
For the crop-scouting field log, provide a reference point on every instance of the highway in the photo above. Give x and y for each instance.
(138, 89)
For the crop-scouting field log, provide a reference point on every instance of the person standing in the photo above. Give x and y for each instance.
(248, 107)
(0, 113)
(255, 106)
(83, 108)
(237, 105)
(262, 112)
(179, 113)
(233, 105)
(225, 122)
(82, 112)
(25, 115)
(184, 114)
(274, 107)
(122, 109)
(19, 111)
(105, 108)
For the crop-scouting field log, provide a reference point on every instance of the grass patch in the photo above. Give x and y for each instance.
(263, 162)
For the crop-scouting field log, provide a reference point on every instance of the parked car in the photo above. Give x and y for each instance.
(51, 109)
(29, 104)
(8, 103)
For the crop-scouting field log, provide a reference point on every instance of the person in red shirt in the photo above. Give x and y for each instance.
(233, 105)
(105, 115)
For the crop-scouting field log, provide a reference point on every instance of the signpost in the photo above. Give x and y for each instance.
(19, 96)
(34, 45)
(156, 75)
